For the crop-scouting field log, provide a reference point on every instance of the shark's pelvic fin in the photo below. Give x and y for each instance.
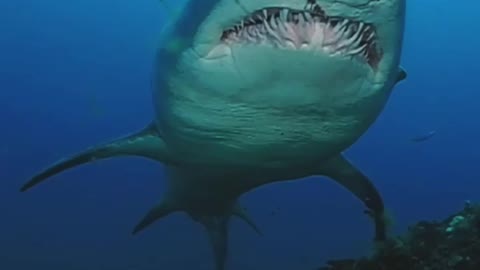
(217, 229)
(161, 210)
(402, 75)
(343, 172)
(146, 143)
(241, 213)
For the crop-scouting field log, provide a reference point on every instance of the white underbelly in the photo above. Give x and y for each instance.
(238, 134)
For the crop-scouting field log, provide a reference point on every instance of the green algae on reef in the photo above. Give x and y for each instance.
(451, 244)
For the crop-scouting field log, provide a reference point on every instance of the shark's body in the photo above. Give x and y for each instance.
(250, 92)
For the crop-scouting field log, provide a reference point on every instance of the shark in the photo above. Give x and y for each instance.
(253, 92)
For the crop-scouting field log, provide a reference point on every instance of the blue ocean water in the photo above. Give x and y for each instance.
(76, 73)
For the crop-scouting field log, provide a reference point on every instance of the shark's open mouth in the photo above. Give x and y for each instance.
(308, 29)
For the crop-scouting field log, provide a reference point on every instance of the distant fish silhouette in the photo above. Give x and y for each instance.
(424, 137)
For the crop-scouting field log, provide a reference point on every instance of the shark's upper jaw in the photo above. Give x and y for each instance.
(308, 29)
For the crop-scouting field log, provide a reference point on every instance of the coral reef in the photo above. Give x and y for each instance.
(451, 244)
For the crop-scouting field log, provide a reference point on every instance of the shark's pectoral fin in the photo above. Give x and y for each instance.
(343, 172)
(146, 143)
(161, 210)
(217, 229)
(241, 213)
(402, 75)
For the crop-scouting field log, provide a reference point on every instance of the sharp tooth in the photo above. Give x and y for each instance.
(242, 24)
(308, 16)
(337, 28)
(271, 31)
(282, 29)
(351, 41)
(255, 32)
(360, 37)
(357, 50)
(284, 15)
(249, 31)
(277, 22)
(261, 31)
(360, 26)
(340, 27)
(301, 19)
(370, 37)
(357, 42)
(266, 25)
(265, 13)
(273, 22)
(344, 24)
(355, 35)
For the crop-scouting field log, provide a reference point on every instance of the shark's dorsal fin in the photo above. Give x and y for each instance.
(146, 143)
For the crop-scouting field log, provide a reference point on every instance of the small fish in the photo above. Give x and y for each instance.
(424, 137)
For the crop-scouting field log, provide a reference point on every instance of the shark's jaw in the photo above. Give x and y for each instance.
(309, 29)
(367, 33)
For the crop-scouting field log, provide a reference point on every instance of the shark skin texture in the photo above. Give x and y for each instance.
(253, 92)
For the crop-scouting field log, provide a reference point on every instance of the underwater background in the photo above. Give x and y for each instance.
(75, 73)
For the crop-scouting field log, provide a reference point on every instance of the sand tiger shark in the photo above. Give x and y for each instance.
(253, 92)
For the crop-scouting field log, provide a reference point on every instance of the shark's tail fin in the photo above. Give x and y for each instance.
(146, 143)
(215, 225)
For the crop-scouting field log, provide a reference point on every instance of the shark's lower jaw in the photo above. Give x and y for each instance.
(309, 29)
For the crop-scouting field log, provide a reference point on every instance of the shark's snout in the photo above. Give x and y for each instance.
(308, 29)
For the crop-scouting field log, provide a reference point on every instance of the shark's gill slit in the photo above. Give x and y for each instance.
(309, 29)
